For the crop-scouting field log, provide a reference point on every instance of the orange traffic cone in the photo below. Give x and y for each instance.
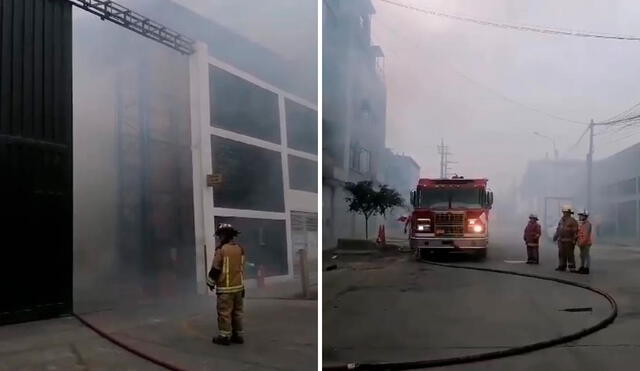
(382, 239)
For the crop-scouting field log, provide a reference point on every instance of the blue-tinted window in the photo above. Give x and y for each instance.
(302, 127)
(265, 244)
(242, 107)
(303, 174)
(250, 176)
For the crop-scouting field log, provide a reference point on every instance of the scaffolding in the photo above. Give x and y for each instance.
(136, 22)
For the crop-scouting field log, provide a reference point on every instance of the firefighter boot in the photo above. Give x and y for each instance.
(237, 339)
(221, 340)
(585, 271)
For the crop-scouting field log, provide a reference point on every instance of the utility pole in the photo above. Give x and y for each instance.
(590, 165)
(444, 160)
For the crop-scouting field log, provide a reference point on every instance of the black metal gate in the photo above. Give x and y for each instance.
(36, 246)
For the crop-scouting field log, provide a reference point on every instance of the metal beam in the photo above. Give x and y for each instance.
(127, 18)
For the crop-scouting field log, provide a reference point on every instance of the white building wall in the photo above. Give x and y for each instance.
(202, 131)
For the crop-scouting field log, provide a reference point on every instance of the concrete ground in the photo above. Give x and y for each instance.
(281, 334)
(381, 308)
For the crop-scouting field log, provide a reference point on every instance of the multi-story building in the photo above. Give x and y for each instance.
(168, 146)
(354, 112)
(402, 173)
(616, 197)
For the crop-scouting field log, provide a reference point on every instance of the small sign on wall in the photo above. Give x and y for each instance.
(213, 179)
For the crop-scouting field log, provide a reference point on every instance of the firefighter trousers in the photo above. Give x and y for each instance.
(585, 257)
(230, 313)
(566, 255)
(532, 254)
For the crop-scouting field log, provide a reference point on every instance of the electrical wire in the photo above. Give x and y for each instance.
(484, 86)
(527, 28)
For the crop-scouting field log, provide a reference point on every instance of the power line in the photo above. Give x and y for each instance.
(491, 90)
(526, 28)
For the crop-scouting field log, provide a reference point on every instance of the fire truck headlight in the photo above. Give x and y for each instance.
(472, 221)
(423, 227)
(477, 228)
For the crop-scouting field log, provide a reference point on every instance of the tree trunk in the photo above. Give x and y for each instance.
(366, 228)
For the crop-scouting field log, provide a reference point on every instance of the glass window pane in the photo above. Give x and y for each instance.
(242, 107)
(251, 177)
(302, 127)
(265, 244)
(303, 174)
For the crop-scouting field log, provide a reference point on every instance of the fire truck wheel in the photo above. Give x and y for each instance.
(482, 254)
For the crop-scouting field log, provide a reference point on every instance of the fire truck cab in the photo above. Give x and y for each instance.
(450, 215)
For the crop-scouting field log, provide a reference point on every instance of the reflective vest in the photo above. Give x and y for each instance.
(229, 261)
(584, 234)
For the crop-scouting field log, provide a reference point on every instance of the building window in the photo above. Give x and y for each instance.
(627, 187)
(242, 107)
(250, 177)
(302, 127)
(303, 174)
(360, 159)
(365, 161)
(264, 242)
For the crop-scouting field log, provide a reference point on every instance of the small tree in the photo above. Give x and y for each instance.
(387, 199)
(367, 201)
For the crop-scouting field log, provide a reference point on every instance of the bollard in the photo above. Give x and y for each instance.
(260, 277)
(304, 273)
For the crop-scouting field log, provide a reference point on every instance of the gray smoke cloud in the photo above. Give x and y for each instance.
(444, 79)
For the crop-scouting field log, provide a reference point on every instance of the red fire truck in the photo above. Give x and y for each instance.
(450, 215)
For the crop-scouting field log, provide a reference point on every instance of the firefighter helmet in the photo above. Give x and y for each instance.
(584, 212)
(226, 229)
(567, 209)
(533, 216)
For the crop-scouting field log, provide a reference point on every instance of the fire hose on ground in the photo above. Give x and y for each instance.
(412, 365)
(127, 347)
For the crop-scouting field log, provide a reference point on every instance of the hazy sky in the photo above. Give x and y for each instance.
(287, 27)
(430, 61)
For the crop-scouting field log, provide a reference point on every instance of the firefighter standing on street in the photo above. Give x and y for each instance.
(566, 236)
(532, 234)
(227, 278)
(584, 242)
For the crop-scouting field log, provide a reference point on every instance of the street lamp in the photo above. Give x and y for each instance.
(555, 150)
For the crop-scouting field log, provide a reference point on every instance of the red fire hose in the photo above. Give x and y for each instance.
(497, 354)
(126, 347)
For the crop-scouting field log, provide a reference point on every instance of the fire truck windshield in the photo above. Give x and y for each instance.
(450, 198)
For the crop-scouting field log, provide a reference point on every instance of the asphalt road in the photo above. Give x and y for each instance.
(391, 308)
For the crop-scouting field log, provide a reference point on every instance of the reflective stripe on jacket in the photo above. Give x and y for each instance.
(229, 260)
(532, 234)
(584, 234)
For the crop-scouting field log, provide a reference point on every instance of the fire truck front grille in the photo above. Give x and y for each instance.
(449, 224)
(450, 219)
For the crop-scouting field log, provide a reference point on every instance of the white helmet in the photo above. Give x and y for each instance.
(567, 209)
(584, 212)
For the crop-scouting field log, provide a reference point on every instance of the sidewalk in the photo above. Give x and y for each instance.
(288, 289)
(280, 335)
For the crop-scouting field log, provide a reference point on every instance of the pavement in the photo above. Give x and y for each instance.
(280, 332)
(383, 308)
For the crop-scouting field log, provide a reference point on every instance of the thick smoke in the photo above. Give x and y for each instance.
(133, 197)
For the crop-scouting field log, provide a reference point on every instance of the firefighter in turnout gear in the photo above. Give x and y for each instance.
(532, 234)
(584, 242)
(227, 278)
(566, 236)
